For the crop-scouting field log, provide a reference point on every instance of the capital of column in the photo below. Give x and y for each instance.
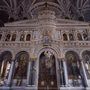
(13, 60)
(33, 58)
(81, 60)
(63, 59)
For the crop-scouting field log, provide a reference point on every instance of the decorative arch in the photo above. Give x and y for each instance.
(22, 37)
(8, 50)
(47, 49)
(64, 52)
(82, 52)
(76, 56)
(65, 38)
(71, 37)
(47, 64)
(79, 36)
(74, 68)
(86, 60)
(5, 63)
(22, 52)
(85, 36)
(13, 37)
(21, 66)
(28, 37)
(8, 36)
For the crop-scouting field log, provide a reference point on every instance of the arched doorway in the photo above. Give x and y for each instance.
(47, 71)
(5, 63)
(86, 60)
(20, 69)
(74, 69)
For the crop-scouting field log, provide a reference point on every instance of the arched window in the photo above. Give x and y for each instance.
(71, 37)
(47, 70)
(28, 37)
(0, 36)
(85, 36)
(32, 73)
(86, 58)
(13, 37)
(5, 62)
(65, 37)
(21, 67)
(8, 37)
(74, 68)
(22, 37)
(79, 36)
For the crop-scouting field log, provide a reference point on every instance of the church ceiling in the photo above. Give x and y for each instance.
(68, 8)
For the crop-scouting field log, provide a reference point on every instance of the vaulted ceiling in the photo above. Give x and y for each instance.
(73, 9)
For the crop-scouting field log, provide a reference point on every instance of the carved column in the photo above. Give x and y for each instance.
(2, 66)
(76, 38)
(35, 75)
(36, 69)
(84, 74)
(3, 36)
(28, 73)
(68, 37)
(18, 34)
(65, 72)
(11, 73)
(31, 74)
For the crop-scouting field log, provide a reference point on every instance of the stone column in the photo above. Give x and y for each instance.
(76, 38)
(2, 68)
(3, 37)
(25, 35)
(34, 72)
(37, 72)
(18, 34)
(84, 73)
(1, 71)
(68, 37)
(82, 37)
(10, 73)
(28, 73)
(65, 72)
(58, 67)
